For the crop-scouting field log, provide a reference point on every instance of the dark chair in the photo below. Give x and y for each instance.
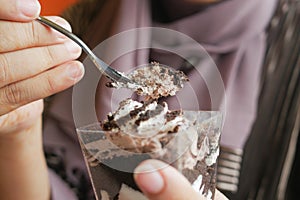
(268, 162)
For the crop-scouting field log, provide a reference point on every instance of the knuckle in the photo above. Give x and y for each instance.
(13, 94)
(4, 69)
(30, 34)
(4, 43)
(50, 85)
(49, 56)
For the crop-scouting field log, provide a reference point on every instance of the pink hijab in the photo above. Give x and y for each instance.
(232, 32)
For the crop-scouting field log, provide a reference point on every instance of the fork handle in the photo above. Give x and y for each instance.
(70, 35)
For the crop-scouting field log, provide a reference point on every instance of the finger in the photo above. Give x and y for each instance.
(158, 181)
(19, 65)
(19, 10)
(40, 86)
(16, 35)
(21, 118)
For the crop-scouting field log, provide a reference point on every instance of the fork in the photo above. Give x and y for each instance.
(104, 68)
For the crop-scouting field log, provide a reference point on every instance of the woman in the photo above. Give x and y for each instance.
(53, 69)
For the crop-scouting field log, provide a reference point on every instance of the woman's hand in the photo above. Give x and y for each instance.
(35, 62)
(159, 181)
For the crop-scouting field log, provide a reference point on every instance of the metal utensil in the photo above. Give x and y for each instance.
(109, 72)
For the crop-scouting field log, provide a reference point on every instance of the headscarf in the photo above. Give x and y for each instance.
(232, 32)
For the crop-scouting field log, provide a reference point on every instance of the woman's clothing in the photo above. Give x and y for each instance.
(232, 32)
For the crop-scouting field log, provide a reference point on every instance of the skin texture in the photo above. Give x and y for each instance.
(35, 62)
(159, 181)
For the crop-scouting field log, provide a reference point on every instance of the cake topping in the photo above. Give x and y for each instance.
(154, 81)
(148, 126)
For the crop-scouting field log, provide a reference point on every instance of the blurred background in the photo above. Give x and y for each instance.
(55, 7)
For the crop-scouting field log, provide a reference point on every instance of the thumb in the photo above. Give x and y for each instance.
(159, 181)
(19, 10)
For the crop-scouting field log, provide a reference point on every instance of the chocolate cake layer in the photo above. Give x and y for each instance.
(136, 131)
(193, 151)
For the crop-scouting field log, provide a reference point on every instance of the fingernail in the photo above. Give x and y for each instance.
(149, 179)
(75, 71)
(29, 8)
(72, 47)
